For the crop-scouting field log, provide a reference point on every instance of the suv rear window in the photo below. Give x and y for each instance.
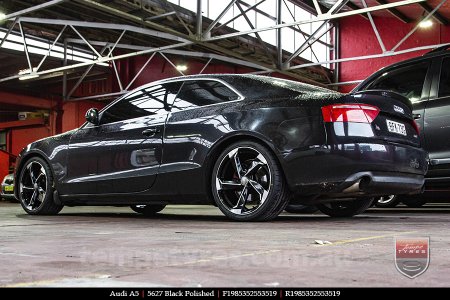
(444, 82)
(407, 81)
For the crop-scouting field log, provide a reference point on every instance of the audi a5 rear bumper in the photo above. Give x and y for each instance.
(342, 170)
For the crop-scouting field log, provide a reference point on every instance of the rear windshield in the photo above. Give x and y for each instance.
(261, 87)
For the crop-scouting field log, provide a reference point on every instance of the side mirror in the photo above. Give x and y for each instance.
(92, 116)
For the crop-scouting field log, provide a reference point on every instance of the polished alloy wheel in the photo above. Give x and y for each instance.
(33, 185)
(385, 199)
(243, 180)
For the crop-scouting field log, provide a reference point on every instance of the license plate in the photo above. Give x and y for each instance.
(9, 188)
(396, 127)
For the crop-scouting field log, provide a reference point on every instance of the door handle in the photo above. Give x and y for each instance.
(417, 116)
(150, 132)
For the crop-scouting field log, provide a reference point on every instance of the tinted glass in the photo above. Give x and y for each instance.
(407, 81)
(144, 102)
(202, 92)
(444, 83)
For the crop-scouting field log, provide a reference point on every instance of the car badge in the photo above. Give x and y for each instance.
(399, 109)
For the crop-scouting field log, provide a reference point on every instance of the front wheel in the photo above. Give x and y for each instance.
(342, 209)
(148, 210)
(248, 184)
(36, 188)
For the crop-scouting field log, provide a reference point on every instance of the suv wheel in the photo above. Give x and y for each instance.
(341, 209)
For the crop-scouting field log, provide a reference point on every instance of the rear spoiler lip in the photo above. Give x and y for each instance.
(384, 93)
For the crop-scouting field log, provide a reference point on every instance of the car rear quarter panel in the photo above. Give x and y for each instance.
(193, 138)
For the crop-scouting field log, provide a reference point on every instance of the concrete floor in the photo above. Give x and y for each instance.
(190, 246)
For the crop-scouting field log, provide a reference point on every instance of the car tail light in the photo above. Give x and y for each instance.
(357, 113)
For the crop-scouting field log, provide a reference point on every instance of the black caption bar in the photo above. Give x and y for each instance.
(208, 293)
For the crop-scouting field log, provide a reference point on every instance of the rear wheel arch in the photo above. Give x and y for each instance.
(248, 183)
(214, 153)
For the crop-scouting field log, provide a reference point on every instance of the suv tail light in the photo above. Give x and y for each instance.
(357, 113)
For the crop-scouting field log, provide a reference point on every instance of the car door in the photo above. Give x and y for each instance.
(412, 81)
(194, 123)
(437, 121)
(128, 143)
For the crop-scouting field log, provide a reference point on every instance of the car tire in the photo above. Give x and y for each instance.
(36, 187)
(248, 184)
(387, 201)
(414, 202)
(343, 209)
(148, 210)
(301, 209)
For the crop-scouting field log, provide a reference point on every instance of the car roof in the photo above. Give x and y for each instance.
(436, 52)
(439, 51)
(229, 78)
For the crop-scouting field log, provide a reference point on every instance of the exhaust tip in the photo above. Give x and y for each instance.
(359, 186)
(364, 183)
(354, 188)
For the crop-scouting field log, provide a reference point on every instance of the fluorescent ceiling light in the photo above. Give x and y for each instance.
(29, 76)
(26, 71)
(426, 24)
(181, 68)
(2, 16)
(41, 47)
(102, 64)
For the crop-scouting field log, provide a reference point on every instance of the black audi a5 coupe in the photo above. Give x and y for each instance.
(247, 144)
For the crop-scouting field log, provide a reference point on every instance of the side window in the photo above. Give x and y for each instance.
(407, 81)
(444, 82)
(202, 92)
(144, 102)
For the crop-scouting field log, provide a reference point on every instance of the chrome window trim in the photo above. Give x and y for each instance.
(240, 96)
(163, 81)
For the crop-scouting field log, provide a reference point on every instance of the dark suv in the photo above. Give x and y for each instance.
(425, 81)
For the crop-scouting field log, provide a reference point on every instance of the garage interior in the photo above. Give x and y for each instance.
(59, 58)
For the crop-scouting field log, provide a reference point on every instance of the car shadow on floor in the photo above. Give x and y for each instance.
(96, 216)
(374, 214)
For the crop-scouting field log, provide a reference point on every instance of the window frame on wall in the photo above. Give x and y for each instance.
(290, 13)
(4, 145)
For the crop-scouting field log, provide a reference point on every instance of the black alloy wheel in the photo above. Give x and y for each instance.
(248, 184)
(36, 188)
